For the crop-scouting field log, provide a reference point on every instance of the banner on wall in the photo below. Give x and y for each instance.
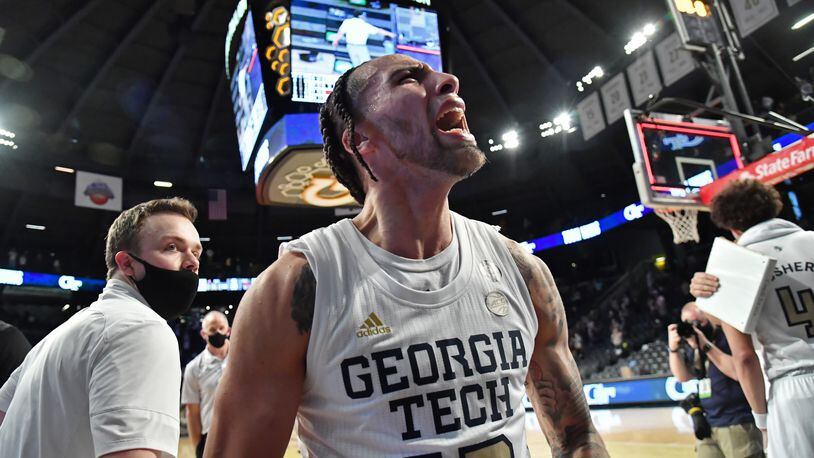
(644, 78)
(590, 116)
(615, 98)
(675, 62)
(94, 190)
(751, 15)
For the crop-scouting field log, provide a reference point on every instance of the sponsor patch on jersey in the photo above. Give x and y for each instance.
(373, 326)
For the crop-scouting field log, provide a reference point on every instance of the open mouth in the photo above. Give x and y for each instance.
(452, 121)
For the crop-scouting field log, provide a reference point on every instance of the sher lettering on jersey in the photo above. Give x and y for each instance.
(487, 399)
(791, 267)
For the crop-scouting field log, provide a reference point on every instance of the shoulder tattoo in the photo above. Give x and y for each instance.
(302, 301)
(542, 289)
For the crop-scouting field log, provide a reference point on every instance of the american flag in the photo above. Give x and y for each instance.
(217, 204)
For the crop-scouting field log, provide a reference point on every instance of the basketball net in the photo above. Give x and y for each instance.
(683, 222)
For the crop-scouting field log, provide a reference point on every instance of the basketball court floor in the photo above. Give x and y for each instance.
(664, 432)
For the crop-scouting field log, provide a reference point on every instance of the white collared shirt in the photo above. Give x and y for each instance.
(106, 380)
(201, 378)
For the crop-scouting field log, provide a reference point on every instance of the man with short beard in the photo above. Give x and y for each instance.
(201, 378)
(409, 330)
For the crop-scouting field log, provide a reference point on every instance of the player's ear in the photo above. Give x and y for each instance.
(359, 139)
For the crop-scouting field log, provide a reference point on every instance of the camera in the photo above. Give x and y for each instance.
(692, 405)
(685, 329)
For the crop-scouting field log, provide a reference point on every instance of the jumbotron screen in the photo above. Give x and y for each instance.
(329, 37)
(248, 91)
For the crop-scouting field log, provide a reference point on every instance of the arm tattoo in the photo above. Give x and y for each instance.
(540, 284)
(302, 302)
(553, 383)
(561, 406)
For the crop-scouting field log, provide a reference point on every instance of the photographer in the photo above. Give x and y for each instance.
(693, 345)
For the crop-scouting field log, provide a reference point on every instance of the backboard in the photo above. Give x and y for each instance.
(674, 157)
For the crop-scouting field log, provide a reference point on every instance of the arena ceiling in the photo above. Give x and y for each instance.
(136, 88)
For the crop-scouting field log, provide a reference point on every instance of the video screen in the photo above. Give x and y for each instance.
(328, 37)
(687, 159)
(248, 92)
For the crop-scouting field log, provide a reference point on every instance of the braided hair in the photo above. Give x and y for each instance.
(335, 117)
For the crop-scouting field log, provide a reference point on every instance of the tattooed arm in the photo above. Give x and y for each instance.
(553, 382)
(258, 396)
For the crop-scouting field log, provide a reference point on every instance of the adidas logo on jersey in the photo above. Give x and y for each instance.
(372, 326)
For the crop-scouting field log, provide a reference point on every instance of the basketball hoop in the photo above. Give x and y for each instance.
(683, 222)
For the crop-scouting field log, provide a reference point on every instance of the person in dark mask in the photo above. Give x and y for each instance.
(201, 378)
(706, 356)
(107, 381)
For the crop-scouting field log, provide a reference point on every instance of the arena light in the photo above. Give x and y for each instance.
(35, 227)
(8, 143)
(588, 79)
(560, 124)
(795, 58)
(284, 238)
(511, 139)
(7, 133)
(640, 38)
(500, 212)
(205, 239)
(563, 120)
(802, 22)
(162, 184)
(62, 169)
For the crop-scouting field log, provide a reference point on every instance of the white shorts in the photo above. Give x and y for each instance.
(791, 409)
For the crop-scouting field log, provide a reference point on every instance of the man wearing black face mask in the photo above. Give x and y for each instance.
(201, 378)
(107, 381)
(734, 433)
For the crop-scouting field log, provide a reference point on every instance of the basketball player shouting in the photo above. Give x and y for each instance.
(410, 330)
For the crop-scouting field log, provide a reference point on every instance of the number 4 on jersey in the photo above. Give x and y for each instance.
(797, 314)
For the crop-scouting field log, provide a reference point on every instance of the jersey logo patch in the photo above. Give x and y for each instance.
(372, 326)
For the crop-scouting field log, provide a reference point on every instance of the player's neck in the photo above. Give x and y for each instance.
(415, 224)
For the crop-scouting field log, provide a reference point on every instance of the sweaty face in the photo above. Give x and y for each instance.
(416, 113)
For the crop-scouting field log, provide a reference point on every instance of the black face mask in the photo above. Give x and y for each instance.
(217, 340)
(169, 292)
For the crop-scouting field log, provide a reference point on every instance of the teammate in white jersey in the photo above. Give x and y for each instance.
(785, 330)
(410, 330)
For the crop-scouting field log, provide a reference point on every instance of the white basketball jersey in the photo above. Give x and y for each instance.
(399, 372)
(785, 330)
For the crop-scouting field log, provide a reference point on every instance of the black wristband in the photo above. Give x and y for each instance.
(706, 348)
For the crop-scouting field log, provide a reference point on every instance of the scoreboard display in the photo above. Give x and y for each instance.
(328, 37)
(282, 59)
(698, 24)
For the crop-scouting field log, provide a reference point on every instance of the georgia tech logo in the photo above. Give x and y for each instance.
(372, 326)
